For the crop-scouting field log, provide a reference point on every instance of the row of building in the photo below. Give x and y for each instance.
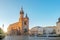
(46, 30)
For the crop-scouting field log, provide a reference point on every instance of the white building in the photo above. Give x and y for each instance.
(43, 30)
(49, 30)
(37, 30)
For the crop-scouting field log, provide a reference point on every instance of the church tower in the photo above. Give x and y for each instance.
(21, 15)
(26, 24)
(21, 20)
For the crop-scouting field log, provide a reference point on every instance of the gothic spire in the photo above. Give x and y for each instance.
(21, 11)
(26, 15)
(21, 8)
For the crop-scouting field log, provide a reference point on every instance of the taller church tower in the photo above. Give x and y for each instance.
(23, 22)
(21, 15)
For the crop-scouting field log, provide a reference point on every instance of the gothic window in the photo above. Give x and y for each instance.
(25, 23)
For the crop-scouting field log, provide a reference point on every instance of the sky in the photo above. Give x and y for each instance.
(40, 12)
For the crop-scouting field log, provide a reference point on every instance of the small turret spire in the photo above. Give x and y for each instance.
(21, 11)
(21, 8)
(26, 15)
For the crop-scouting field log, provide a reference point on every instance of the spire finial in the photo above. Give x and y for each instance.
(26, 15)
(21, 11)
(22, 8)
(59, 19)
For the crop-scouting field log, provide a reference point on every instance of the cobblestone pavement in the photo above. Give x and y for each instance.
(30, 38)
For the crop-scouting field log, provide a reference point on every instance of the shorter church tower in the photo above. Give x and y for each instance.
(26, 25)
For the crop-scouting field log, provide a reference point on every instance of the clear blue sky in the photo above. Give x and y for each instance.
(40, 12)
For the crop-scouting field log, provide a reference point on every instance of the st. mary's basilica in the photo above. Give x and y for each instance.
(21, 27)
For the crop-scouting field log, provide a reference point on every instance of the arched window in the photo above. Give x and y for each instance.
(25, 23)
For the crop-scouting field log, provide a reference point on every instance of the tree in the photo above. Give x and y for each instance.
(1, 31)
(2, 35)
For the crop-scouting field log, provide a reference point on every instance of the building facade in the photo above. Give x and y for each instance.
(58, 27)
(43, 30)
(36, 30)
(49, 30)
(21, 27)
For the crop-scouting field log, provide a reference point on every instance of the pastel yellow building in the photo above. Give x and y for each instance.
(21, 27)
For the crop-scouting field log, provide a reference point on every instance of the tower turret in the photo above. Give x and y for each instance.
(21, 13)
(26, 16)
(21, 20)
